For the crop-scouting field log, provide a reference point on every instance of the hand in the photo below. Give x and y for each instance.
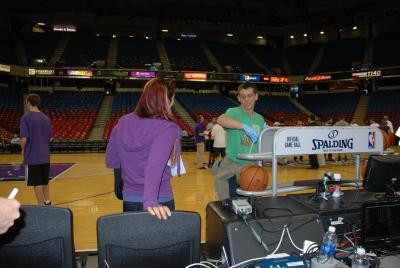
(9, 211)
(251, 132)
(162, 212)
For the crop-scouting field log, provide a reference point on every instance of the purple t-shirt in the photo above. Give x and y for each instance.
(198, 128)
(141, 147)
(36, 128)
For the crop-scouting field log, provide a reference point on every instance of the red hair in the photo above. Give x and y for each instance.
(153, 101)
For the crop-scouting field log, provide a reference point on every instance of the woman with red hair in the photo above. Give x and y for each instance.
(141, 144)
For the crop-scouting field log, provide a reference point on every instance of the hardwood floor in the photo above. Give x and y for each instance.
(87, 189)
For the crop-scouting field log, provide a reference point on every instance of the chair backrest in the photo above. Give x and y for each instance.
(141, 240)
(41, 237)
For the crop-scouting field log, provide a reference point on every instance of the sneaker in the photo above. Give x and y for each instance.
(47, 203)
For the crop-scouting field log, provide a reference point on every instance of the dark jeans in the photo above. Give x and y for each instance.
(138, 206)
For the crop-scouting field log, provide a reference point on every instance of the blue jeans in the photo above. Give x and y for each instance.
(138, 206)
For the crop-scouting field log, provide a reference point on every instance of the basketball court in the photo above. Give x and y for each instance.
(87, 188)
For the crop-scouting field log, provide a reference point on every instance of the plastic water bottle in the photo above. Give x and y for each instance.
(360, 259)
(328, 246)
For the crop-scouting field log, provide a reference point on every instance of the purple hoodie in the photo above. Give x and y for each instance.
(141, 147)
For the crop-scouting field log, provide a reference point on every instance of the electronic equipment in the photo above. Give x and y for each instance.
(291, 261)
(382, 173)
(241, 206)
(380, 224)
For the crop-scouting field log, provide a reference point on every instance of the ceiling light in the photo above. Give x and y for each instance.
(178, 39)
(97, 34)
(355, 27)
(260, 37)
(130, 36)
(113, 36)
(147, 37)
(292, 36)
(305, 34)
(41, 23)
(229, 34)
(164, 30)
(321, 32)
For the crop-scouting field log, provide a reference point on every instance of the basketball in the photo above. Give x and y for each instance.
(253, 178)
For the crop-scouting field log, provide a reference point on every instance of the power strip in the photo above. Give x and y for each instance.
(241, 206)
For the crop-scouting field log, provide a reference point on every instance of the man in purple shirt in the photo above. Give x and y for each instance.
(35, 132)
(199, 138)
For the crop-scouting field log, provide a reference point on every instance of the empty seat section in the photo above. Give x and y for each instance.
(208, 105)
(187, 55)
(83, 50)
(331, 105)
(386, 50)
(301, 57)
(11, 110)
(385, 103)
(136, 53)
(233, 57)
(340, 54)
(277, 107)
(72, 114)
(40, 46)
(123, 103)
(269, 56)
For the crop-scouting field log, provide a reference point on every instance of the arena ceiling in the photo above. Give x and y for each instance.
(265, 15)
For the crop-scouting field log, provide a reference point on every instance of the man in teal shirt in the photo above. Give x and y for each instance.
(243, 126)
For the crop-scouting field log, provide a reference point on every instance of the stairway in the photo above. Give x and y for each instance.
(183, 113)
(360, 113)
(102, 116)
(211, 58)
(164, 56)
(59, 51)
(317, 59)
(254, 59)
(112, 53)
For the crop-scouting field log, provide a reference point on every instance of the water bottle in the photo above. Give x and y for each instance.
(328, 246)
(360, 259)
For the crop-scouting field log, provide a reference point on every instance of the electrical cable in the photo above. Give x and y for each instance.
(291, 240)
(209, 263)
(256, 236)
(280, 241)
(197, 264)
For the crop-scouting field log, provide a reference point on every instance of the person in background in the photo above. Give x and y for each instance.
(243, 126)
(142, 144)
(15, 146)
(353, 123)
(388, 122)
(35, 132)
(199, 138)
(9, 212)
(372, 123)
(210, 141)
(218, 133)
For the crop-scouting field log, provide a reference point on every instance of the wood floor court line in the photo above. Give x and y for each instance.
(87, 189)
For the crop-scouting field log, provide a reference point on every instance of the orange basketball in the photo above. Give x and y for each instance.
(253, 178)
